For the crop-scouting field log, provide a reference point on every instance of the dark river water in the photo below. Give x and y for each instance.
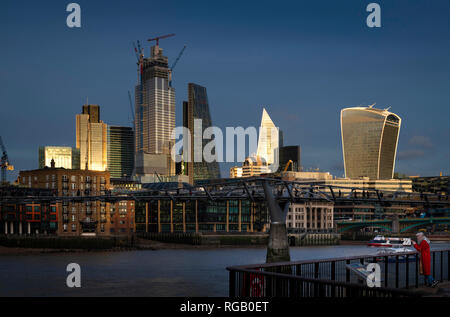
(189, 272)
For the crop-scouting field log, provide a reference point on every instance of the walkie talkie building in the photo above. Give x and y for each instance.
(369, 142)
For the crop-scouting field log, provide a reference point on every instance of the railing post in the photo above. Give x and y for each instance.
(292, 287)
(298, 270)
(333, 277)
(396, 271)
(442, 265)
(347, 272)
(407, 271)
(417, 270)
(268, 286)
(245, 284)
(232, 285)
(333, 270)
(316, 270)
(434, 264)
(386, 271)
(448, 265)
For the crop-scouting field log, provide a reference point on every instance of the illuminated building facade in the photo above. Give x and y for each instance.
(63, 156)
(310, 215)
(269, 140)
(91, 137)
(369, 142)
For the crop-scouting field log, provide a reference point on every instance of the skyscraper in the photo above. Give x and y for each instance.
(155, 105)
(369, 142)
(120, 151)
(198, 108)
(268, 141)
(91, 138)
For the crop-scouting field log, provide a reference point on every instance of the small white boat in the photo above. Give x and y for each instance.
(381, 241)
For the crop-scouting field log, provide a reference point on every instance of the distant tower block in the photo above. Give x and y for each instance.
(369, 142)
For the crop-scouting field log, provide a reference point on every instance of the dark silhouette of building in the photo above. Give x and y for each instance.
(120, 151)
(291, 152)
(197, 107)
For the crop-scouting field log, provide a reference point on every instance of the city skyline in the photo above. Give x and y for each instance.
(315, 90)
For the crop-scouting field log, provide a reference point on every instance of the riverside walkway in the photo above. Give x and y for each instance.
(331, 277)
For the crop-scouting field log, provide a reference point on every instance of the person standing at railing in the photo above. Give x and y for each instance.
(423, 246)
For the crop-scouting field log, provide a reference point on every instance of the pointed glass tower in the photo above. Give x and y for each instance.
(268, 141)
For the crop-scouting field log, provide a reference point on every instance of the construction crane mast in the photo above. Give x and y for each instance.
(175, 64)
(4, 162)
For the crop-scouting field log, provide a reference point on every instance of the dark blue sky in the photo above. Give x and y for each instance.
(302, 60)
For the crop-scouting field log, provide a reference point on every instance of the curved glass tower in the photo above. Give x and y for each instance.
(369, 142)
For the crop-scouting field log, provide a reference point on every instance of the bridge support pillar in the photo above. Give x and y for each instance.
(278, 247)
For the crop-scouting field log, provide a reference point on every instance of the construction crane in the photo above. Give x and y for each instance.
(175, 64)
(160, 37)
(4, 161)
(287, 165)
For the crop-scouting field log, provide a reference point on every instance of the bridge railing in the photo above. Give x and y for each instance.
(400, 273)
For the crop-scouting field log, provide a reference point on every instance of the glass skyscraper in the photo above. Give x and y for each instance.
(198, 108)
(120, 151)
(369, 142)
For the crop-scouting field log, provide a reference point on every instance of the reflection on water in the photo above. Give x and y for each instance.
(190, 272)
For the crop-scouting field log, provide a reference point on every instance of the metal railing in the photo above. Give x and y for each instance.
(331, 277)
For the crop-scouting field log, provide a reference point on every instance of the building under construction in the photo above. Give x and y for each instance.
(154, 114)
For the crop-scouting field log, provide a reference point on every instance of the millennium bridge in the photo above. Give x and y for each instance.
(244, 188)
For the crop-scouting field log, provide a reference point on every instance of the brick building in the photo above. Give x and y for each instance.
(87, 218)
(29, 218)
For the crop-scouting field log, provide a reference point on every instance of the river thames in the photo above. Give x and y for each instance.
(174, 272)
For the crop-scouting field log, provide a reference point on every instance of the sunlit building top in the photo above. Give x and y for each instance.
(268, 141)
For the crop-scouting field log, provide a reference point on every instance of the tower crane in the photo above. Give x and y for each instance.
(4, 161)
(175, 64)
(160, 37)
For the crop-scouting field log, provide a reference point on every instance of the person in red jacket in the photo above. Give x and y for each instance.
(423, 246)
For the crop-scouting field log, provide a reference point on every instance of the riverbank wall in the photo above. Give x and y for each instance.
(236, 239)
(79, 243)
